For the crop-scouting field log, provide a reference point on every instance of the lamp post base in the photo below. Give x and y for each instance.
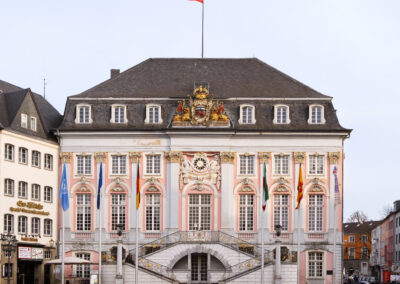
(278, 279)
(119, 279)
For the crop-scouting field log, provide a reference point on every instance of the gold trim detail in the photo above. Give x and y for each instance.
(135, 156)
(65, 157)
(227, 157)
(173, 156)
(100, 157)
(299, 157)
(264, 157)
(334, 157)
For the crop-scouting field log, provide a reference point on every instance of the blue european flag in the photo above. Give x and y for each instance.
(100, 185)
(64, 191)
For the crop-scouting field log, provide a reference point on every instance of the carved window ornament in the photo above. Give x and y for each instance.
(173, 156)
(153, 189)
(299, 157)
(100, 157)
(282, 188)
(83, 189)
(117, 189)
(316, 188)
(264, 157)
(135, 157)
(65, 157)
(117, 180)
(83, 180)
(334, 157)
(246, 189)
(227, 157)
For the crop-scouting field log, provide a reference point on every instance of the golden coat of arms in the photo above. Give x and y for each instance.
(200, 110)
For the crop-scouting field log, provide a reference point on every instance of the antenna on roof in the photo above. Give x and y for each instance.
(44, 88)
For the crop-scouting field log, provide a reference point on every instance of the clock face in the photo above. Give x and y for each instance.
(200, 164)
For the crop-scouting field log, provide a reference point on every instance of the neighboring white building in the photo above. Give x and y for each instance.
(201, 160)
(28, 184)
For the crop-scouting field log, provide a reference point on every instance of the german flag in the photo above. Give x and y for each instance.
(300, 188)
(137, 187)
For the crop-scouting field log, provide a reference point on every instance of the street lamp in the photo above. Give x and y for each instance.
(278, 230)
(119, 279)
(11, 242)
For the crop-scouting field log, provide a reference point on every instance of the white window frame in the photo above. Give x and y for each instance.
(309, 166)
(23, 152)
(278, 118)
(9, 152)
(153, 173)
(35, 226)
(35, 193)
(8, 221)
(78, 110)
(24, 120)
(364, 237)
(150, 118)
(114, 118)
(22, 222)
(274, 168)
(280, 210)
(120, 165)
(33, 123)
(48, 162)
(9, 187)
(48, 194)
(153, 212)
(47, 227)
(200, 205)
(253, 114)
(322, 276)
(352, 255)
(318, 208)
(84, 208)
(310, 112)
(84, 173)
(34, 160)
(22, 186)
(118, 212)
(246, 212)
(247, 169)
(351, 239)
(82, 270)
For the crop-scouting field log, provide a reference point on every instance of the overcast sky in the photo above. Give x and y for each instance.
(347, 49)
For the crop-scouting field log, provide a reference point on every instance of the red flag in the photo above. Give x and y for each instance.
(201, 1)
(299, 188)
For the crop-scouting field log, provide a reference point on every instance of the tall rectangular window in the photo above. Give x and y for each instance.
(82, 270)
(33, 123)
(118, 211)
(247, 114)
(154, 114)
(24, 120)
(9, 187)
(48, 162)
(84, 165)
(352, 253)
(35, 226)
(83, 212)
(119, 114)
(246, 164)
(23, 156)
(364, 253)
(118, 165)
(84, 114)
(9, 152)
(246, 212)
(35, 192)
(22, 224)
(153, 164)
(35, 159)
(315, 213)
(281, 211)
(281, 164)
(8, 223)
(316, 164)
(316, 114)
(22, 189)
(315, 264)
(153, 208)
(282, 114)
(48, 194)
(199, 212)
(48, 227)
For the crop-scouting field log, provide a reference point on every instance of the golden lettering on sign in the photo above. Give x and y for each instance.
(29, 239)
(29, 207)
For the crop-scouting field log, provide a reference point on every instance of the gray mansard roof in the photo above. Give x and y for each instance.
(232, 81)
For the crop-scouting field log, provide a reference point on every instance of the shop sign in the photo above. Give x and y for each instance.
(37, 253)
(24, 253)
(29, 207)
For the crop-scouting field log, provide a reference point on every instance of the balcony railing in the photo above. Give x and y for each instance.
(316, 237)
(82, 235)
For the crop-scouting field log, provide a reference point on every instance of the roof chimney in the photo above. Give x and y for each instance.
(114, 73)
(396, 205)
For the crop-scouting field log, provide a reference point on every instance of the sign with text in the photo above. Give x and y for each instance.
(24, 253)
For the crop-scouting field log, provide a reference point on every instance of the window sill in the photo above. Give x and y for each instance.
(38, 167)
(9, 195)
(48, 201)
(50, 170)
(25, 164)
(23, 197)
(9, 160)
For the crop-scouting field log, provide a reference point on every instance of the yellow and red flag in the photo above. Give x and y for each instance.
(137, 188)
(299, 188)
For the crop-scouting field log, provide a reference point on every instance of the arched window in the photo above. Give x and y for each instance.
(153, 212)
(281, 114)
(281, 211)
(315, 212)
(83, 212)
(199, 212)
(9, 152)
(247, 114)
(118, 211)
(246, 212)
(316, 114)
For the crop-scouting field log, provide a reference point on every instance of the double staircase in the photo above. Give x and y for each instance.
(158, 257)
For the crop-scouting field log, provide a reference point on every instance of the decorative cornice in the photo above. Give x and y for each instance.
(173, 156)
(264, 157)
(65, 157)
(334, 157)
(100, 157)
(227, 157)
(299, 157)
(135, 156)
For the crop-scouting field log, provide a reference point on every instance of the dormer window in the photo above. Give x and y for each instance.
(24, 120)
(316, 114)
(153, 114)
(33, 123)
(281, 114)
(83, 114)
(118, 114)
(247, 114)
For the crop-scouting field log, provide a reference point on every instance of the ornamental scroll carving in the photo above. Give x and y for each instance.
(173, 156)
(65, 157)
(135, 156)
(264, 157)
(334, 157)
(227, 157)
(196, 168)
(299, 157)
(100, 157)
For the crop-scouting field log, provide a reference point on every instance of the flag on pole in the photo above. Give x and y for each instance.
(137, 187)
(63, 194)
(299, 188)
(337, 193)
(265, 189)
(100, 184)
(201, 1)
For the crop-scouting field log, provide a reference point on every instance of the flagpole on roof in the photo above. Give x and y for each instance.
(202, 31)
(100, 184)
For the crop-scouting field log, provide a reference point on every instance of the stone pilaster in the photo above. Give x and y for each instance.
(334, 157)
(227, 200)
(173, 158)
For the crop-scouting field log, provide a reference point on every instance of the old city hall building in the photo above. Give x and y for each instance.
(200, 132)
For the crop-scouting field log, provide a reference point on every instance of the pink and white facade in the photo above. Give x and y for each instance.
(200, 216)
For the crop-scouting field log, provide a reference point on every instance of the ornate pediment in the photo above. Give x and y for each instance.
(200, 110)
